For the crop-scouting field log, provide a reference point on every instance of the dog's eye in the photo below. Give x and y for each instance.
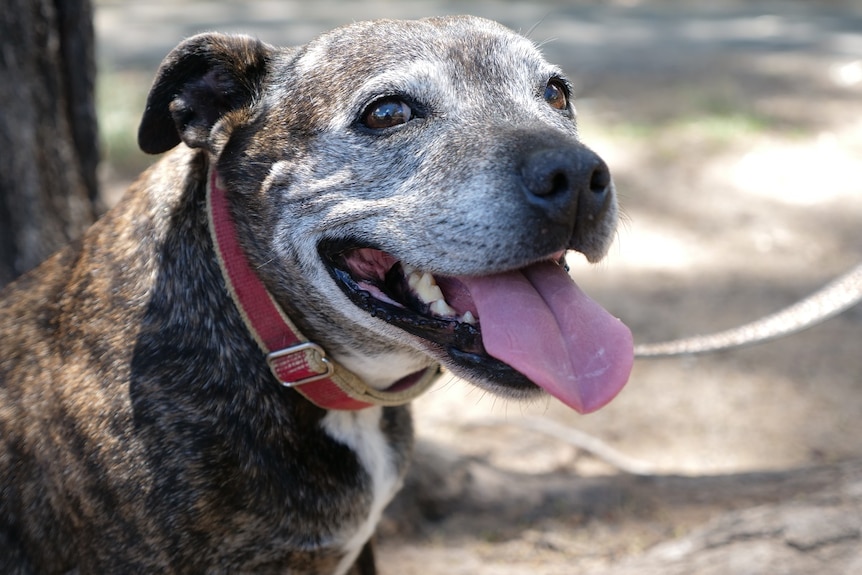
(556, 94)
(387, 113)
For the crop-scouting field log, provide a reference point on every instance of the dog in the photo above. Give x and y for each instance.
(215, 378)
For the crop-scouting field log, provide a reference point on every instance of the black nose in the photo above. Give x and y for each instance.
(566, 183)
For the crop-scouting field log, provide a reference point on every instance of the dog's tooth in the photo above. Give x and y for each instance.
(468, 317)
(427, 289)
(441, 308)
(413, 279)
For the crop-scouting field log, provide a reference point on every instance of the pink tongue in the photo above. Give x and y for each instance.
(539, 322)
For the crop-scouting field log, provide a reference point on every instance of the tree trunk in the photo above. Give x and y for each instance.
(48, 138)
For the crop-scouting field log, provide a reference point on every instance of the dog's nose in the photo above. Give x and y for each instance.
(568, 182)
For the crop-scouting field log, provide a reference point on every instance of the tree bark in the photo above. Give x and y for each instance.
(48, 137)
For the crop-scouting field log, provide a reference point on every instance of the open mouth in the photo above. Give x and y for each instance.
(438, 309)
(519, 329)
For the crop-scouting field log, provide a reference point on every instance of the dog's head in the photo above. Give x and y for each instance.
(415, 184)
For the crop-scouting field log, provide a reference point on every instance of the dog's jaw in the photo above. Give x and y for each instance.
(510, 332)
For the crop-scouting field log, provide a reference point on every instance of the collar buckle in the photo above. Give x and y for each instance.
(299, 364)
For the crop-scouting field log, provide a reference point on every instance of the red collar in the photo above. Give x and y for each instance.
(293, 360)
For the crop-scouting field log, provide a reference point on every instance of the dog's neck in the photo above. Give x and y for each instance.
(295, 361)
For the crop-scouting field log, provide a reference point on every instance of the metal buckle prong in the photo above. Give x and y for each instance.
(301, 348)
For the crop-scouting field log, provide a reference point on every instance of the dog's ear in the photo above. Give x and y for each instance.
(199, 82)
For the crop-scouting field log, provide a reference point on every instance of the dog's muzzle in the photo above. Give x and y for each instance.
(525, 325)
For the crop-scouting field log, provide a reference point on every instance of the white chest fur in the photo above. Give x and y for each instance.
(360, 431)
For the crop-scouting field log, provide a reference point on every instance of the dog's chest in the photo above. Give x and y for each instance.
(361, 431)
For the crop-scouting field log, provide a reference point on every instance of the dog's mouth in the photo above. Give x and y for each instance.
(519, 329)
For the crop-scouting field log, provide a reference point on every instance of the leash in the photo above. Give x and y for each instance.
(834, 298)
(295, 361)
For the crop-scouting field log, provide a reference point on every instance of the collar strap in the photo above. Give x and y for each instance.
(293, 360)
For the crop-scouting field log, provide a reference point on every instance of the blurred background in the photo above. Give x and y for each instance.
(734, 133)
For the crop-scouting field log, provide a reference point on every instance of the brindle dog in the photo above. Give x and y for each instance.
(405, 192)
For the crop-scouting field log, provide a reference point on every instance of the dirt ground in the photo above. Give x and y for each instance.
(734, 132)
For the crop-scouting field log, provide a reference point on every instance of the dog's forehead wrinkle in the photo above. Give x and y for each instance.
(494, 70)
(470, 50)
(428, 78)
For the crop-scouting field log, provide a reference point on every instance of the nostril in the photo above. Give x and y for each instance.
(549, 184)
(559, 184)
(600, 179)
